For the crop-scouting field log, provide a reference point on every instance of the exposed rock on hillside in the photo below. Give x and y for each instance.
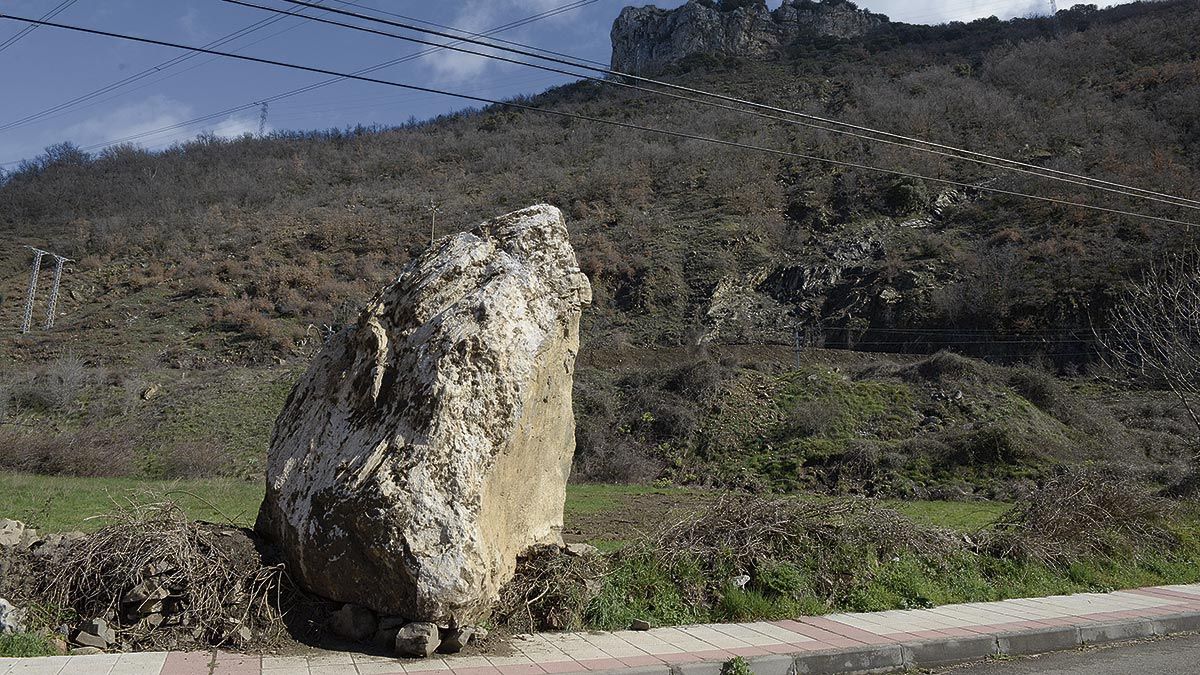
(647, 39)
(429, 444)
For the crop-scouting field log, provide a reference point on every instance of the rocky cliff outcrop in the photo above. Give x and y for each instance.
(429, 444)
(647, 39)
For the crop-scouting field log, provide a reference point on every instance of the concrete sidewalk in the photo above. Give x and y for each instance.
(837, 643)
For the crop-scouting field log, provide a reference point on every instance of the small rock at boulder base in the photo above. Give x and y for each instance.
(639, 624)
(85, 651)
(455, 639)
(581, 550)
(353, 622)
(429, 443)
(419, 639)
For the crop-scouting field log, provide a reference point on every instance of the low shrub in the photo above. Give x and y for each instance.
(90, 452)
(25, 645)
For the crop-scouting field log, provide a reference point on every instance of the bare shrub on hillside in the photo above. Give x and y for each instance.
(619, 462)
(813, 418)
(1154, 330)
(54, 387)
(90, 452)
(204, 458)
(944, 365)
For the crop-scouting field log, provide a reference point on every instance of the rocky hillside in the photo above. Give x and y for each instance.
(646, 40)
(209, 274)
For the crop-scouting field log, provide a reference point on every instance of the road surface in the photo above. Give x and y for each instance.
(1167, 656)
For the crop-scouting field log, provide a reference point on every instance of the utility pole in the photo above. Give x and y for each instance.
(59, 261)
(33, 282)
(433, 211)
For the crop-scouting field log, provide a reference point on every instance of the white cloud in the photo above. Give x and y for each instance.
(140, 123)
(192, 28)
(130, 122)
(940, 11)
(478, 16)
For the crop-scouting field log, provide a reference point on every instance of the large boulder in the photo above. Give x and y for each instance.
(429, 444)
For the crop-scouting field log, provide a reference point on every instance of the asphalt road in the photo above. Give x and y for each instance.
(1167, 656)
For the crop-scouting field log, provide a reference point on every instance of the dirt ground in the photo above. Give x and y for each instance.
(630, 516)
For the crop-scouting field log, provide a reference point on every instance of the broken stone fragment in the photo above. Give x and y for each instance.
(419, 640)
(354, 623)
(581, 550)
(430, 442)
(85, 651)
(14, 534)
(54, 544)
(90, 640)
(455, 639)
(146, 594)
(640, 624)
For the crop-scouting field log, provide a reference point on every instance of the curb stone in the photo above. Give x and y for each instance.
(939, 653)
(1098, 634)
(1039, 641)
(886, 659)
(951, 651)
(1186, 622)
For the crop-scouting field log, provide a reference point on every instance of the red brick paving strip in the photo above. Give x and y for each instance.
(552, 653)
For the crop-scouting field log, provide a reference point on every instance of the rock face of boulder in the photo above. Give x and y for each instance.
(646, 40)
(429, 444)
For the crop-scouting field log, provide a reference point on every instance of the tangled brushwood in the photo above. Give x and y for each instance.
(741, 532)
(1081, 513)
(551, 591)
(158, 578)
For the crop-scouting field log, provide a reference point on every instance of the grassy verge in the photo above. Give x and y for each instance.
(745, 558)
(61, 503)
(21, 645)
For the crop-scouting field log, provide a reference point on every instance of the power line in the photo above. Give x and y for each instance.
(459, 30)
(29, 29)
(616, 123)
(554, 11)
(1095, 183)
(61, 108)
(777, 118)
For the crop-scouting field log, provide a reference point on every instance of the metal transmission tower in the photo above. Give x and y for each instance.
(31, 294)
(1053, 8)
(262, 119)
(38, 254)
(59, 261)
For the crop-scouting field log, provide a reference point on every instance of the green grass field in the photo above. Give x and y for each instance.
(58, 503)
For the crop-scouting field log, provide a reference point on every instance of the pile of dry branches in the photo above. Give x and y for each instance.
(1081, 513)
(550, 591)
(216, 589)
(745, 530)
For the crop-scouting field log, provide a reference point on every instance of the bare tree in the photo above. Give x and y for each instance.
(1154, 330)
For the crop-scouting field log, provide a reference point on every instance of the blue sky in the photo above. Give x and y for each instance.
(51, 66)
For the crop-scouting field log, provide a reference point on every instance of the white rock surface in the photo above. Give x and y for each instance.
(14, 534)
(430, 443)
(12, 619)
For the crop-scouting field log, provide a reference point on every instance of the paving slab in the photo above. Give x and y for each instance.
(838, 643)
